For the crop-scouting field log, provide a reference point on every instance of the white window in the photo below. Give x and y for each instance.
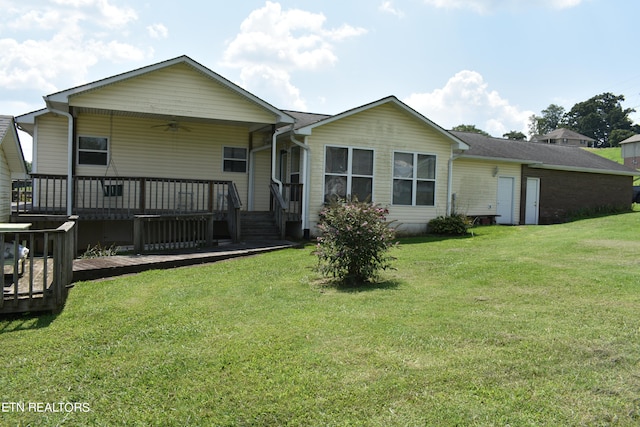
(414, 179)
(234, 159)
(93, 150)
(348, 172)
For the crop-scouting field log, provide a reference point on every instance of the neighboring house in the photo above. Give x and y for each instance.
(564, 136)
(535, 183)
(631, 151)
(12, 165)
(176, 145)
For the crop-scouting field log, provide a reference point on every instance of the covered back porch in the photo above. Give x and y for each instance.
(152, 213)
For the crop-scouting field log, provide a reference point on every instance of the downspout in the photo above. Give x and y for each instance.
(452, 157)
(274, 159)
(69, 158)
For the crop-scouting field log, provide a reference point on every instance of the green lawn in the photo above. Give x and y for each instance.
(611, 153)
(520, 326)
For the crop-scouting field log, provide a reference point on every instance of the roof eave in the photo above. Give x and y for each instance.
(498, 159)
(585, 170)
(60, 100)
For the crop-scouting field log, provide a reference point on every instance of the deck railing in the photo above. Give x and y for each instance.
(123, 197)
(279, 209)
(184, 231)
(39, 281)
(292, 196)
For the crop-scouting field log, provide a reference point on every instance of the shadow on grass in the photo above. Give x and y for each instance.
(349, 287)
(25, 321)
(431, 238)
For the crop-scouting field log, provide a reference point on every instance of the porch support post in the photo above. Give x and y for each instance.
(69, 158)
(306, 179)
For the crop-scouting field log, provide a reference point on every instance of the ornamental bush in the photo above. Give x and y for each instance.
(455, 225)
(354, 242)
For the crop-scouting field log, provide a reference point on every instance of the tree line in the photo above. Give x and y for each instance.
(600, 117)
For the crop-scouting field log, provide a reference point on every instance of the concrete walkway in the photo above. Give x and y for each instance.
(109, 266)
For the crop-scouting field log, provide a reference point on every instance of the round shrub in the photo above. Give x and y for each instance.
(454, 225)
(354, 241)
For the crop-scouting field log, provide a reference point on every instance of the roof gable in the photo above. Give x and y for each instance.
(179, 87)
(10, 145)
(307, 122)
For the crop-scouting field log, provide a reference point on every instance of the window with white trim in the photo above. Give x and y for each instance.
(93, 150)
(234, 159)
(414, 179)
(348, 172)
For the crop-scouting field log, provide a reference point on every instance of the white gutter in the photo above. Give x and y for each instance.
(274, 160)
(69, 158)
(585, 170)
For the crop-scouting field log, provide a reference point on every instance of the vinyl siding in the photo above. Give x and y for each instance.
(137, 149)
(476, 187)
(50, 154)
(179, 90)
(5, 188)
(261, 180)
(385, 129)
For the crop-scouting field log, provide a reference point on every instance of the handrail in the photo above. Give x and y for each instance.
(279, 208)
(122, 197)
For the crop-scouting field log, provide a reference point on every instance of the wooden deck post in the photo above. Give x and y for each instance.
(143, 196)
(210, 223)
(138, 231)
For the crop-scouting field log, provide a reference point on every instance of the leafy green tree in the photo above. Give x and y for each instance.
(471, 129)
(619, 135)
(516, 135)
(548, 121)
(598, 117)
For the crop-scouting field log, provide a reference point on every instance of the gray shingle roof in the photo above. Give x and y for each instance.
(634, 138)
(563, 157)
(565, 133)
(305, 119)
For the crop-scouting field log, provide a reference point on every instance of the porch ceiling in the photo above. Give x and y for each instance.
(252, 126)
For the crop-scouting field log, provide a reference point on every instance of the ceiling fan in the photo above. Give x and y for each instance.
(172, 126)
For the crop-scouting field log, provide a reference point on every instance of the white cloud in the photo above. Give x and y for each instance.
(158, 31)
(273, 43)
(488, 6)
(109, 15)
(388, 7)
(467, 99)
(60, 45)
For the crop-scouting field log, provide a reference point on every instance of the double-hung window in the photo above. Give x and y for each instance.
(234, 159)
(93, 150)
(414, 179)
(348, 172)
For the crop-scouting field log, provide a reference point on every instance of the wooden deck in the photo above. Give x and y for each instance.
(103, 267)
(26, 287)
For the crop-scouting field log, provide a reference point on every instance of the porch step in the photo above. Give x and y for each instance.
(258, 226)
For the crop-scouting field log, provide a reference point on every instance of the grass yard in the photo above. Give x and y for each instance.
(611, 153)
(520, 326)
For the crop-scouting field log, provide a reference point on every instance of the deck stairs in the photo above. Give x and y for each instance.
(257, 225)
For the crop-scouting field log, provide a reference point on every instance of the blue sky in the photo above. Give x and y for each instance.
(489, 63)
